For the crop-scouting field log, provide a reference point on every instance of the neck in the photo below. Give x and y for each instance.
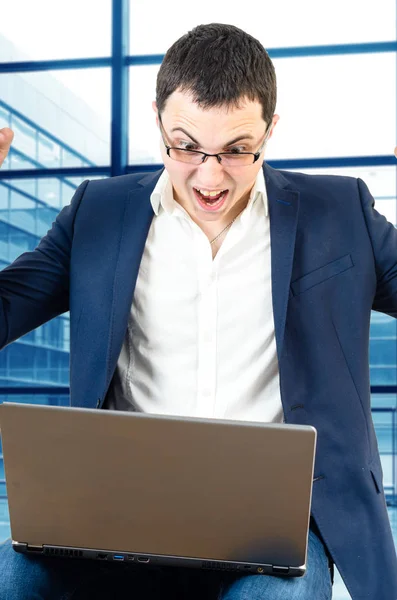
(213, 228)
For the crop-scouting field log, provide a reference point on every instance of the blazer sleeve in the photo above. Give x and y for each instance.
(383, 237)
(35, 287)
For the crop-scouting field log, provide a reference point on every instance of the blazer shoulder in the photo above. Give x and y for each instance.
(325, 192)
(123, 183)
(313, 181)
(108, 193)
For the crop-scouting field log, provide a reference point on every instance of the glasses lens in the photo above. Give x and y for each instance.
(186, 156)
(236, 160)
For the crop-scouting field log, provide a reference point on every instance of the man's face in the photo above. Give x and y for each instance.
(186, 125)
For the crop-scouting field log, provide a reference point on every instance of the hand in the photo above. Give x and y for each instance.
(6, 137)
(395, 152)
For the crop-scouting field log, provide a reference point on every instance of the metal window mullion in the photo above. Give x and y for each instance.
(54, 65)
(292, 52)
(394, 432)
(119, 87)
(394, 479)
(55, 172)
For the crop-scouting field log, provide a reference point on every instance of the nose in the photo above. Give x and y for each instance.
(211, 172)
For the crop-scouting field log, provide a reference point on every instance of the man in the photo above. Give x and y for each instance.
(220, 287)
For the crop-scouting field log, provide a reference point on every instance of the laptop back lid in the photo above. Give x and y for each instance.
(184, 487)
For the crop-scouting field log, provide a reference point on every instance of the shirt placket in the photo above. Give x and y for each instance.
(207, 336)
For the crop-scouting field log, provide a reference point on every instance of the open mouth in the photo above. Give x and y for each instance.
(211, 200)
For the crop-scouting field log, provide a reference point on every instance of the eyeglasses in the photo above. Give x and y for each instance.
(228, 159)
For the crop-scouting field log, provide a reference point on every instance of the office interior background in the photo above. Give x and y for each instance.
(77, 80)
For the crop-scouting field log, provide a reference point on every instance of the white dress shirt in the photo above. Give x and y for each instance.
(200, 338)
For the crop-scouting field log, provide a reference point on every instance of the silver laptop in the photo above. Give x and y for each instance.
(121, 486)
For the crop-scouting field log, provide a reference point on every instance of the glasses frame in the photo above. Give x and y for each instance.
(205, 155)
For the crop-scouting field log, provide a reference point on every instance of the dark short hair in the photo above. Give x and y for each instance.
(219, 65)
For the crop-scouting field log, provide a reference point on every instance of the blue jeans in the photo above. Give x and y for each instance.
(41, 578)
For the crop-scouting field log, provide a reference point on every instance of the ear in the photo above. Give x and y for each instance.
(154, 106)
(275, 120)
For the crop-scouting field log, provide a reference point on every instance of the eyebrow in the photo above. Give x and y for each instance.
(245, 136)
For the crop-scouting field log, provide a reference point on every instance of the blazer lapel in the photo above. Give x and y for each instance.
(283, 214)
(138, 216)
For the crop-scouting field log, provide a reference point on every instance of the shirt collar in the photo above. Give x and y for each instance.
(162, 196)
(257, 192)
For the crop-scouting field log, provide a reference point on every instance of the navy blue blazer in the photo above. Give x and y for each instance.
(333, 260)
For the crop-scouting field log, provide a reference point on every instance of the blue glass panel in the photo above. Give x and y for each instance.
(55, 30)
(4, 199)
(282, 23)
(26, 137)
(383, 422)
(48, 152)
(60, 118)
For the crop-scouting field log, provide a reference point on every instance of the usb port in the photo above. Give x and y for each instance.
(131, 557)
(118, 557)
(32, 548)
(280, 570)
(102, 555)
